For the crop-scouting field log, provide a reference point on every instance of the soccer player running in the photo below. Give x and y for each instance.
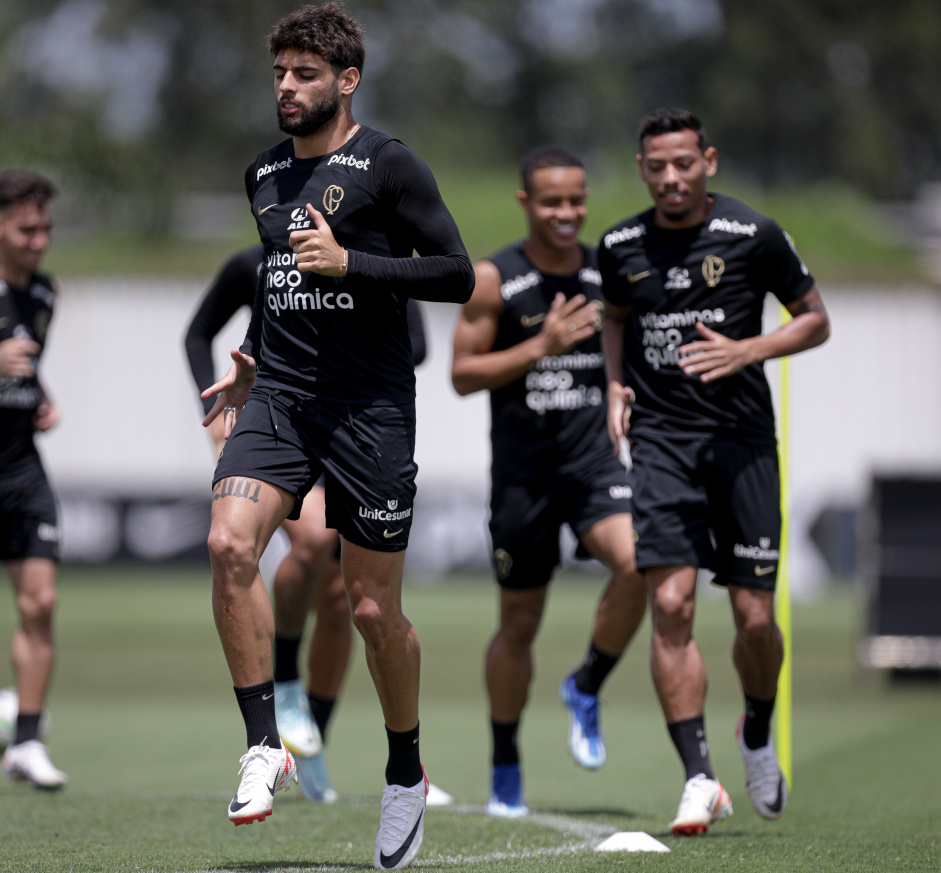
(310, 573)
(530, 336)
(340, 209)
(29, 528)
(684, 284)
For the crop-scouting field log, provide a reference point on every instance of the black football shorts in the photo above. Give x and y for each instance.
(712, 503)
(526, 519)
(366, 455)
(29, 525)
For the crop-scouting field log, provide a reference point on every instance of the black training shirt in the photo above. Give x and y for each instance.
(235, 287)
(23, 312)
(346, 340)
(717, 273)
(550, 422)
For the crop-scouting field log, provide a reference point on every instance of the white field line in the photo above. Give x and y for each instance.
(586, 834)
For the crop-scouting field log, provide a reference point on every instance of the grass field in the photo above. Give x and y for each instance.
(145, 723)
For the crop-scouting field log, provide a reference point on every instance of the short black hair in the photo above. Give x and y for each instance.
(18, 186)
(672, 120)
(546, 156)
(328, 30)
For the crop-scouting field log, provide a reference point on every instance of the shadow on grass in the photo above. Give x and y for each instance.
(281, 866)
(583, 811)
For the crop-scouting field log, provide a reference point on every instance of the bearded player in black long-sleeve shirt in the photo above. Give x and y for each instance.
(309, 573)
(334, 394)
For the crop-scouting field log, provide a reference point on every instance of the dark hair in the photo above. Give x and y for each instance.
(546, 156)
(17, 186)
(328, 30)
(672, 120)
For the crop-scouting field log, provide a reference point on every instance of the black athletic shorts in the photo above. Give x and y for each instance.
(712, 503)
(366, 455)
(526, 519)
(29, 520)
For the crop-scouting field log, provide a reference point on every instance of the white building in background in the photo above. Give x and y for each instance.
(866, 401)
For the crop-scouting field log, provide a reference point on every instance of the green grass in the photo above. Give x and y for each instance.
(146, 725)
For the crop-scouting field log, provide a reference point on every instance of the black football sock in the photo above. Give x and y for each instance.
(285, 658)
(594, 670)
(404, 765)
(257, 705)
(27, 727)
(505, 750)
(689, 737)
(321, 708)
(757, 725)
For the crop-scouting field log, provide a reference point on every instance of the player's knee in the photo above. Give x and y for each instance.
(382, 630)
(519, 626)
(334, 609)
(228, 550)
(757, 625)
(627, 583)
(313, 550)
(672, 610)
(754, 615)
(36, 607)
(370, 620)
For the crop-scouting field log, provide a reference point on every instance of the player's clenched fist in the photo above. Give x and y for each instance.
(316, 250)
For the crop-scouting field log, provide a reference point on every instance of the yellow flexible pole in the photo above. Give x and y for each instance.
(785, 698)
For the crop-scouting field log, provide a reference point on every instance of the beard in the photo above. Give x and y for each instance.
(311, 119)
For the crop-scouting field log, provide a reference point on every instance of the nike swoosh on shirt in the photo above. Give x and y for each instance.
(389, 861)
(266, 208)
(530, 320)
(636, 277)
(763, 571)
(389, 534)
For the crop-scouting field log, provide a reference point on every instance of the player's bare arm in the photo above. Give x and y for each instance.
(316, 250)
(620, 396)
(231, 391)
(716, 356)
(476, 368)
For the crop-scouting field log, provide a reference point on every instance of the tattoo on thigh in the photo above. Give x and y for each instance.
(236, 486)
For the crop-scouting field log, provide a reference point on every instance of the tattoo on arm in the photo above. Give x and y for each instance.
(237, 486)
(810, 302)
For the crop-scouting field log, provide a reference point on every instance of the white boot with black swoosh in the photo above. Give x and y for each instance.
(401, 825)
(264, 770)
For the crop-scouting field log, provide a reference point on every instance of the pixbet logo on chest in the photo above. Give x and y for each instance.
(349, 161)
(270, 168)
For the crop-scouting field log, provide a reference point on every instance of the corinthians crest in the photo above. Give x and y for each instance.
(331, 199)
(712, 269)
(504, 563)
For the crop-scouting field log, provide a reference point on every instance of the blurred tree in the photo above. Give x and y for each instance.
(828, 90)
(135, 102)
